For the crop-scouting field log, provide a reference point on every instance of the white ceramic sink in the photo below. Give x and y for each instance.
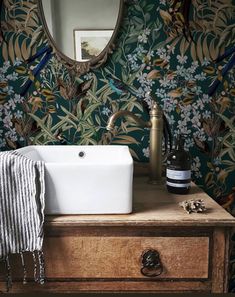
(85, 179)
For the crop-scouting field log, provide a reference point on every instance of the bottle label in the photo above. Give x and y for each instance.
(178, 185)
(178, 174)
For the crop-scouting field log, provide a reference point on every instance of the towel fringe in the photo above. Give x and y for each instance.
(8, 274)
(38, 269)
(35, 267)
(23, 226)
(41, 267)
(24, 268)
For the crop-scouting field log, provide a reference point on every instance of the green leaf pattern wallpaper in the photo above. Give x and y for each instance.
(155, 52)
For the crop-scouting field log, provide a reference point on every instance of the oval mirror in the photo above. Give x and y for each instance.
(82, 32)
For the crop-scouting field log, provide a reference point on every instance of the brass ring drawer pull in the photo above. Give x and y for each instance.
(151, 263)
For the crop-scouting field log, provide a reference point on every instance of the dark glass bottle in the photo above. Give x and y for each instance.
(178, 170)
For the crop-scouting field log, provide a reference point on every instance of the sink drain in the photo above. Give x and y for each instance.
(81, 154)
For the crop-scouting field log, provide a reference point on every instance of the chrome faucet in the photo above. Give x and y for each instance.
(156, 133)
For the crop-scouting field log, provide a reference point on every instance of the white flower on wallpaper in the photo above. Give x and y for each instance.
(10, 99)
(179, 89)
(182, 59)
(146, 152)
(181, 75)
(196, 165)
(106, 111)
(135, 59)
(143, 37)
(164, 54)
(144, 91)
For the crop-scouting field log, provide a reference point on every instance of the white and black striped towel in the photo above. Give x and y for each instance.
(22, 189)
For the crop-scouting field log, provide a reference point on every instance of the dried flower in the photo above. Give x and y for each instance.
(193, 205)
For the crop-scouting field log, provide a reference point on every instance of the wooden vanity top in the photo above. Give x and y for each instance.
(107, 253)
(153, 206)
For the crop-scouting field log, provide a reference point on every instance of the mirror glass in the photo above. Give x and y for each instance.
(81, 29)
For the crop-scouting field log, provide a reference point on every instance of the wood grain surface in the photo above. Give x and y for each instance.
(95, 257)
(154, 206)
(102, 253)
(118, 257)
(111, 286)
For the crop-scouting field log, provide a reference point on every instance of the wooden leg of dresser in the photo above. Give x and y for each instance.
(220, 260)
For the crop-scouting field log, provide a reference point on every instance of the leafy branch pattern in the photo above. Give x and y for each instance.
(152, 55)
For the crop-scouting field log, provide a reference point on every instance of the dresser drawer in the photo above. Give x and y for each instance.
(122, 257)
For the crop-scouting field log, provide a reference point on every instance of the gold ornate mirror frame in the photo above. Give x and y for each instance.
(82, 67)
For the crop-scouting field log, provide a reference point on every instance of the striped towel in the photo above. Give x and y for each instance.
(22, 190)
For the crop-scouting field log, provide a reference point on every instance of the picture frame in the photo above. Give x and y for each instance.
(90, 43)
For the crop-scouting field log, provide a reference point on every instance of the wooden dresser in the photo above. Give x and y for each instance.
(157, 248)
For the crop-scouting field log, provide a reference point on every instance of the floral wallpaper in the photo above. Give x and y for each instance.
(188, 67)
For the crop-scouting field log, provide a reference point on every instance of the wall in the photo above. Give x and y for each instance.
(82, 14)
(152, 53)
(149, 44)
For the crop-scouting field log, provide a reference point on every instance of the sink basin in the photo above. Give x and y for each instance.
(85, 179)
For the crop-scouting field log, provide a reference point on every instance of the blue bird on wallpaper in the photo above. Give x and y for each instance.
(121, 88)
(117, 85)
(226, 68)
(46, 53)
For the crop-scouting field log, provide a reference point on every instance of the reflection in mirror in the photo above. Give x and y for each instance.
(81, 29)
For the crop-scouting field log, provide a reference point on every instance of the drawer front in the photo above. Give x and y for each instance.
(119, 257)
(122, 257)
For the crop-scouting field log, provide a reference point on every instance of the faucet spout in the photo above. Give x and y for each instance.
(127, 114)
(156, 133)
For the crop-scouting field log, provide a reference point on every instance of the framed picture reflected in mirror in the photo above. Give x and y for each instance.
(90, 43)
